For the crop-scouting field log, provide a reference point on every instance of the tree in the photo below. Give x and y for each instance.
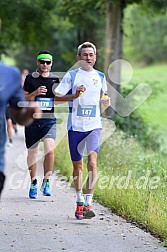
(145, 38)
(30, 25)
(86, 15)
(24, 22)
(114, 36)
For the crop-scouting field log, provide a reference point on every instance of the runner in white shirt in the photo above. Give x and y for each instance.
(84, 87)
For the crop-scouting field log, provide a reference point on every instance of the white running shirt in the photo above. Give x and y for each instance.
(85, 110)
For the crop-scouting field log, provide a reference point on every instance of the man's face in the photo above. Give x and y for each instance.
(88, 55)
(44, 65)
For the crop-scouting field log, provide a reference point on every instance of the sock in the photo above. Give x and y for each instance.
(80, 197)
(10, 140)
(45, 180)
(89, 199)
(34, 182)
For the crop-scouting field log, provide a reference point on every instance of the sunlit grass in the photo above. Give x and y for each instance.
(8, 60)
(142, 196)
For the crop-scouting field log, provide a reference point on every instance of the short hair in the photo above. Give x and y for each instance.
(43, 52)
(86, 45)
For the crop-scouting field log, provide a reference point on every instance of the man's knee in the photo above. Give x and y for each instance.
(2, 180)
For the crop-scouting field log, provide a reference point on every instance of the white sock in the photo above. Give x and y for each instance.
(89, 199)
(80, 197)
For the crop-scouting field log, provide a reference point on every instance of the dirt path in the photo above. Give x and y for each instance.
(48, 223)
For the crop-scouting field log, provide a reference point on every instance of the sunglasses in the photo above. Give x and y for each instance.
(44, 61)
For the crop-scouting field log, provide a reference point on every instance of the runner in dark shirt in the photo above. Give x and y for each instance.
(38, 87)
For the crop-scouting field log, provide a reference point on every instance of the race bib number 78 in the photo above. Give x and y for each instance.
(45, 103)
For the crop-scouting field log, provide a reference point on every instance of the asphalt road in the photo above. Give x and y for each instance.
(48, 223)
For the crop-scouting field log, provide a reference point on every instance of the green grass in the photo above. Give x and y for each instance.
(141, 197)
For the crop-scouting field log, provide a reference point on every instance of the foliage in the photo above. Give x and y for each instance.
(156, 4)
(148, 122)
(24, 22)
(144, 40)
(136, 124)
(30, 25)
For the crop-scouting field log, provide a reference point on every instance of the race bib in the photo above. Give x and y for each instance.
(45, 103)
(86, 111)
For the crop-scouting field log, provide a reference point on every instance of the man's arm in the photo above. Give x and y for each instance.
(39, 91)
(65, 98)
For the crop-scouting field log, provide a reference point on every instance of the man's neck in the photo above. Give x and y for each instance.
(87, 69)
(44, 74)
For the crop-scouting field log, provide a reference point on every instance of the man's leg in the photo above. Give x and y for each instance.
(77, 178)
(92, 172)
(90, 185)
(9, 130)
(77, 174)
(92, 145)
(31, 161)
(48, 165)
(49, 157)
(76, 146)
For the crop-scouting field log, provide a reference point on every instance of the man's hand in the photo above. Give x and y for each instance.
(26, 116)
(41, 90)
(34, 110)
(105, 100)
(80, 90)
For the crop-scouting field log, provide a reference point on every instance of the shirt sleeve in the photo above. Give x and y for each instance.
(27, 85)
(65, 85)
(17, 94)
(16, 98)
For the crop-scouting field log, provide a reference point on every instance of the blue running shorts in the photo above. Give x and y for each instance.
(39, 130)
(78, 140)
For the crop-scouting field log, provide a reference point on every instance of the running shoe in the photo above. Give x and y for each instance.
(33, 193)
(79, 210)
(46, 188)
(88, 212)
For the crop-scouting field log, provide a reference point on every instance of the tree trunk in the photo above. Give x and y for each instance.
(86, 34)
(113, 45)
